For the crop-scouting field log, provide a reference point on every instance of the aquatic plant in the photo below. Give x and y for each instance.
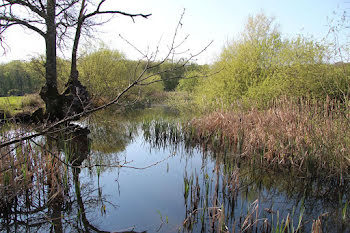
(302, 134)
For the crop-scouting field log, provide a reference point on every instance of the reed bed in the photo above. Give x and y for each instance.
(307, 135)
(40, 186)
(33, 182)
(214, 204)
(29, 179)
(209, 203)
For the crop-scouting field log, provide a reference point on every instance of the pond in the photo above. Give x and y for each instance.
(135, 172)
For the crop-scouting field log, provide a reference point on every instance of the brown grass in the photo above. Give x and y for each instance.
(301, 134)
(30, 177)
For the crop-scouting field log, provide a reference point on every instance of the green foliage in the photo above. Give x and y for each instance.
(14, 104)
(244, 63)
(36, 68)
(63, 73)
(104, 72)
(107, 72)
(261, 66)
(172, 72)
(22, 77)
(192, 78)
(16, 79)
(155, 86)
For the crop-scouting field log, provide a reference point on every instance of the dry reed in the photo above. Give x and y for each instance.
(31, 178)
(303, 134)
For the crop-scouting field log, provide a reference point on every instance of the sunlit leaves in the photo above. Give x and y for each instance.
(261, 65)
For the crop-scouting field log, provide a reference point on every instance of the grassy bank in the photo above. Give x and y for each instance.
(13, 105)
(309, 136)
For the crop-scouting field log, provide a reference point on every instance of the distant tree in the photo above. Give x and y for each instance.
(15, 79)
(193, 77)
(145, 73)
(36, 68)
(104, 72)
(56, 21)
(178, 72)
(171, 72)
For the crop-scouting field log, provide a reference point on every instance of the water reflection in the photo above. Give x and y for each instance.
(49, 196)
(193, 190)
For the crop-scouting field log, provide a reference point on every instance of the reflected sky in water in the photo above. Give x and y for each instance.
(183, 184)
(153, 199)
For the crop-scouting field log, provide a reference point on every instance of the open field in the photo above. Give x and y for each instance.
(13, 105)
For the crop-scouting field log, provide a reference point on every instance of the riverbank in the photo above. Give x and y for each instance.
(12, 106)
(305, 135)
(148, 148)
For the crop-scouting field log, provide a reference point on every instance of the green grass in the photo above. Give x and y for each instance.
(13, 105)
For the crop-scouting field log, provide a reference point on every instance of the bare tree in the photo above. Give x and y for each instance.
(149, 74)
(56, 21)
(69, 20)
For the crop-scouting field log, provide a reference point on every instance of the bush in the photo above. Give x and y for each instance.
(261, 66)
(107, 72)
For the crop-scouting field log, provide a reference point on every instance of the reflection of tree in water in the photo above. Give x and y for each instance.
(49, 197)
(44, 194)
(110, 136)
(113, 132)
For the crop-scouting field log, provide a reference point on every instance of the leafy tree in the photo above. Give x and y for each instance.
(192, 78)
(260, 66)
(106, 72)
(298, 71)
(244, 63)
(15, 79)
(172, 72)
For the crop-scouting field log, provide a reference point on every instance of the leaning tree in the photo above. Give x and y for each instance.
(60, 23)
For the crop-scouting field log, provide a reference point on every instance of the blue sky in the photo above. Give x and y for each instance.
(204, 20)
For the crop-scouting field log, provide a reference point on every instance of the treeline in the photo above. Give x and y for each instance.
(103, 71)
(261, 66)
(18, 78)
(106, 72)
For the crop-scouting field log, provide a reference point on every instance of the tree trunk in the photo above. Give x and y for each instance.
(74, 71)
(76, 96)
(49, 93)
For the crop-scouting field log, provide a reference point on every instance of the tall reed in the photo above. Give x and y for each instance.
(302, 134)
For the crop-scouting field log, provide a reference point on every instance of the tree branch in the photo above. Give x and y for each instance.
(139, 79)
(98, 12)
(17, 21)
(31, 6)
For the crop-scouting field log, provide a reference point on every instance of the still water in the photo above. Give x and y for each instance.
(139, 174)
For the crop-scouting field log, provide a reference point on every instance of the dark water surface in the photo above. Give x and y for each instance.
(166, 184)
